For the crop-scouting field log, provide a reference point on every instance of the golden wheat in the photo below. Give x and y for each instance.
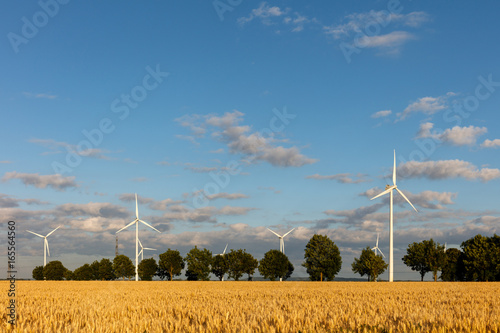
(123, 306)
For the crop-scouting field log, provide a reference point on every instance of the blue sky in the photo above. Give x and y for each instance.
(228, 117)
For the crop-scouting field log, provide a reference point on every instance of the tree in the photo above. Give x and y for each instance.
(170, 264)
(95, 270)
(274, 265)
(106, 270)
(236, 264)
(54, 270)
(220, 266)
(69, 275)
(198, 264)
(369, 264)
(322, 258)
(415, 259)
(147, 269)
(289, 271)
(250, 264)
(38, 273)
(453, 268)
(123, 267)
(434, 256)
(83, 273)
(478, 261)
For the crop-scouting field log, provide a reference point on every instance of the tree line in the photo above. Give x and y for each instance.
(322, 261)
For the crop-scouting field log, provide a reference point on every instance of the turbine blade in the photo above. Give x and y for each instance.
(394, 170)
(34, 233)
(225, 249)
(374, 249)
(128, 225)
(273, 232)
(140, 252)
(377, 239)
(385, 192)
(288, 232)
(136, 207)
(381, 252)
(47, 245)
(52, 231)
(149, 225)
(140, 243)
(148, 248)
(404, 196)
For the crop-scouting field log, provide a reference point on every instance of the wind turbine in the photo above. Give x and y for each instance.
(389, 189)
(377, 248)
(136, 222)
(45, 244)
(282, 242)
(222, 254)
(141, 253)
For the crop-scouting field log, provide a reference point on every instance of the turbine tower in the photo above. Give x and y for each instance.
(282, 242)
(377, 248)
(222, 254)
(136, 222)
(45, 244)
(389, 189)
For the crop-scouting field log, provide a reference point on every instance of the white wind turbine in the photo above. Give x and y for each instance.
(45, 244)
(141, 253)
(136, 222)
(282, 242)
(222, 254)
(389, 189)
(377, 248)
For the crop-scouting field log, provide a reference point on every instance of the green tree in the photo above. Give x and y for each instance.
(250, 265)
(54, 270)
(83, 273)
(495, 255)
(434, 256)
(170, 264)
(369, 264)
(274, 265)
(106, 270)
(322, 258)
(123, 267)
(220, 266)
(478, 261)
(198, 264)
(236, 264)
(69, 275)
(453, 268)
(38, 273)
(147, 269)
(95, 270)
(415, 259)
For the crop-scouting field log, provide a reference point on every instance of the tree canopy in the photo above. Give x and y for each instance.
(123, 267)
(415, 259)
(369, 264)
(322, 258)
(198, 264)
(38, 273)
(147, 269)
(54, 270)
(275, 265)
(220, 266)
(170, 264)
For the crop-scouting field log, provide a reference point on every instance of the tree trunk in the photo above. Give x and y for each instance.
(171, 269)
(422, 277)
(435, 276)
(321, 275)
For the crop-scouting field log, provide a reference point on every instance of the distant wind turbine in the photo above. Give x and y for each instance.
(45, 244)
(389, 189)
(136, 222)
(141, 253)
(377, 248)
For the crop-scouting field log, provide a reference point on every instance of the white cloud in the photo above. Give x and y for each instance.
(54, 147)
(446, 169)
(458, 136)
(426, 105)
(381, 114)
(491, 143)
(56, 181)
(263, 12)
(392, 40)
(228, 196)
(343, 178)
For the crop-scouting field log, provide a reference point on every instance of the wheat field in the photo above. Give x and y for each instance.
(129, 306)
